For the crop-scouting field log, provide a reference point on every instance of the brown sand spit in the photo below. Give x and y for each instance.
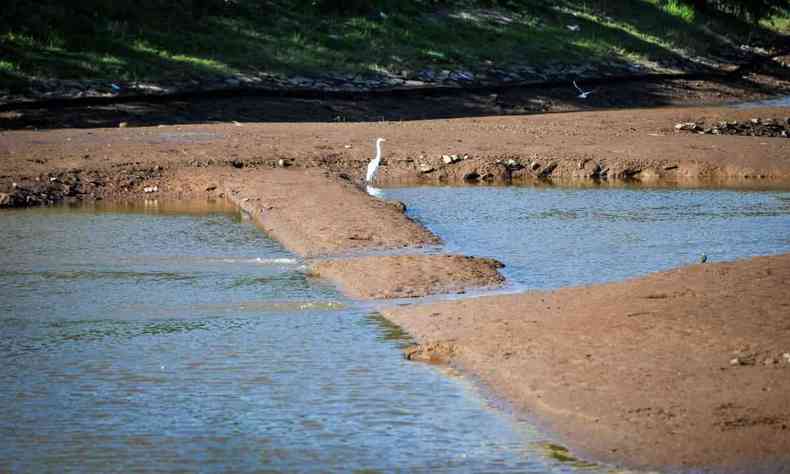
(313, 213)
(688, 368)
(409, 276)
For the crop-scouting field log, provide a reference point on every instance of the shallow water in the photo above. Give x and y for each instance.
(151, 339)
(552, 237)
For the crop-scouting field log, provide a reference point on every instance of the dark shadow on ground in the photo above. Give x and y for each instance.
(511, 101)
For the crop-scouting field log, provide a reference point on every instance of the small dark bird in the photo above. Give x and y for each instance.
(703, 258)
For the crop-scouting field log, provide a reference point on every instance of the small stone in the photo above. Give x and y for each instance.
(281, 163)
(237, 164)
(691, 126)
(535, 165)
(511, 163)
(450, 159)
(123, 125)
(735, 361)
(426, 168)
(472, 176)
(347, 147)
(151, 189)
(770, 361)
(6, 200)
(786, 357)
(398, 205)
(755, 121)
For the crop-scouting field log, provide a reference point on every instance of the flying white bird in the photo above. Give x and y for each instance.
(582, 93)
(373, 166)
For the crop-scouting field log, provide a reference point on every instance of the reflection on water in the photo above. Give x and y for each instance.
(552, 237)
(172, 341)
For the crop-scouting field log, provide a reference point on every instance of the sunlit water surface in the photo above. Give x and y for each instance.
(552, 237)
(146, 340)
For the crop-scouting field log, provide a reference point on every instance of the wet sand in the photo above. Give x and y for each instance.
(684, 369)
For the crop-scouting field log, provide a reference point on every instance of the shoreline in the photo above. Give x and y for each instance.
(629, 373)
(307, 195)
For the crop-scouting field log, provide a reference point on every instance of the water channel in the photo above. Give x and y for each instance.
(180, 338)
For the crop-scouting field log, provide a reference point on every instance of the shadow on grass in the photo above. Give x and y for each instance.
(282, 36)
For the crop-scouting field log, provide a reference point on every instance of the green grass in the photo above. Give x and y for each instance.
(279, 36)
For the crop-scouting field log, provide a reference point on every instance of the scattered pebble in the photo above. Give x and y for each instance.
(151, 189)
(755, 127)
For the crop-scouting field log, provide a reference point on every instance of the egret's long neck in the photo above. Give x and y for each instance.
(378, 150)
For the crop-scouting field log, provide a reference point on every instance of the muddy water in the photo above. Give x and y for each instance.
(553, 237)
(182, 339)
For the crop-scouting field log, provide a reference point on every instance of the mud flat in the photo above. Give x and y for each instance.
(684, 369)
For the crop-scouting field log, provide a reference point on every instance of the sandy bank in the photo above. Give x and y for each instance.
(409, 276)
(588, 147)
(688, 368)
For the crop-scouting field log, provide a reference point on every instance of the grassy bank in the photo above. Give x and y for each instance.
(54, 40)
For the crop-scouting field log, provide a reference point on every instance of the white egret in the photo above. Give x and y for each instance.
(373, 166)
(582, 93)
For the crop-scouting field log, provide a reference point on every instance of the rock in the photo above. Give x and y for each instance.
(237, 164)
(6, 200)
(535, 165)
(691, 126)
(472, 176)
(398, 205)
(426, 168)
(450, 159)
(151, 189)
(786, 357)
(123, 125)
(282, 163)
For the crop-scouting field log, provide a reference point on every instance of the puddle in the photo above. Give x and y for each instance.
(180, 338)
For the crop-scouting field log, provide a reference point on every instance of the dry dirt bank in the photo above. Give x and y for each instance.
(601, 146)
(688, 368)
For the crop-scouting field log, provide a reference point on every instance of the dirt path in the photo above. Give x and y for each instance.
(688, 368)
